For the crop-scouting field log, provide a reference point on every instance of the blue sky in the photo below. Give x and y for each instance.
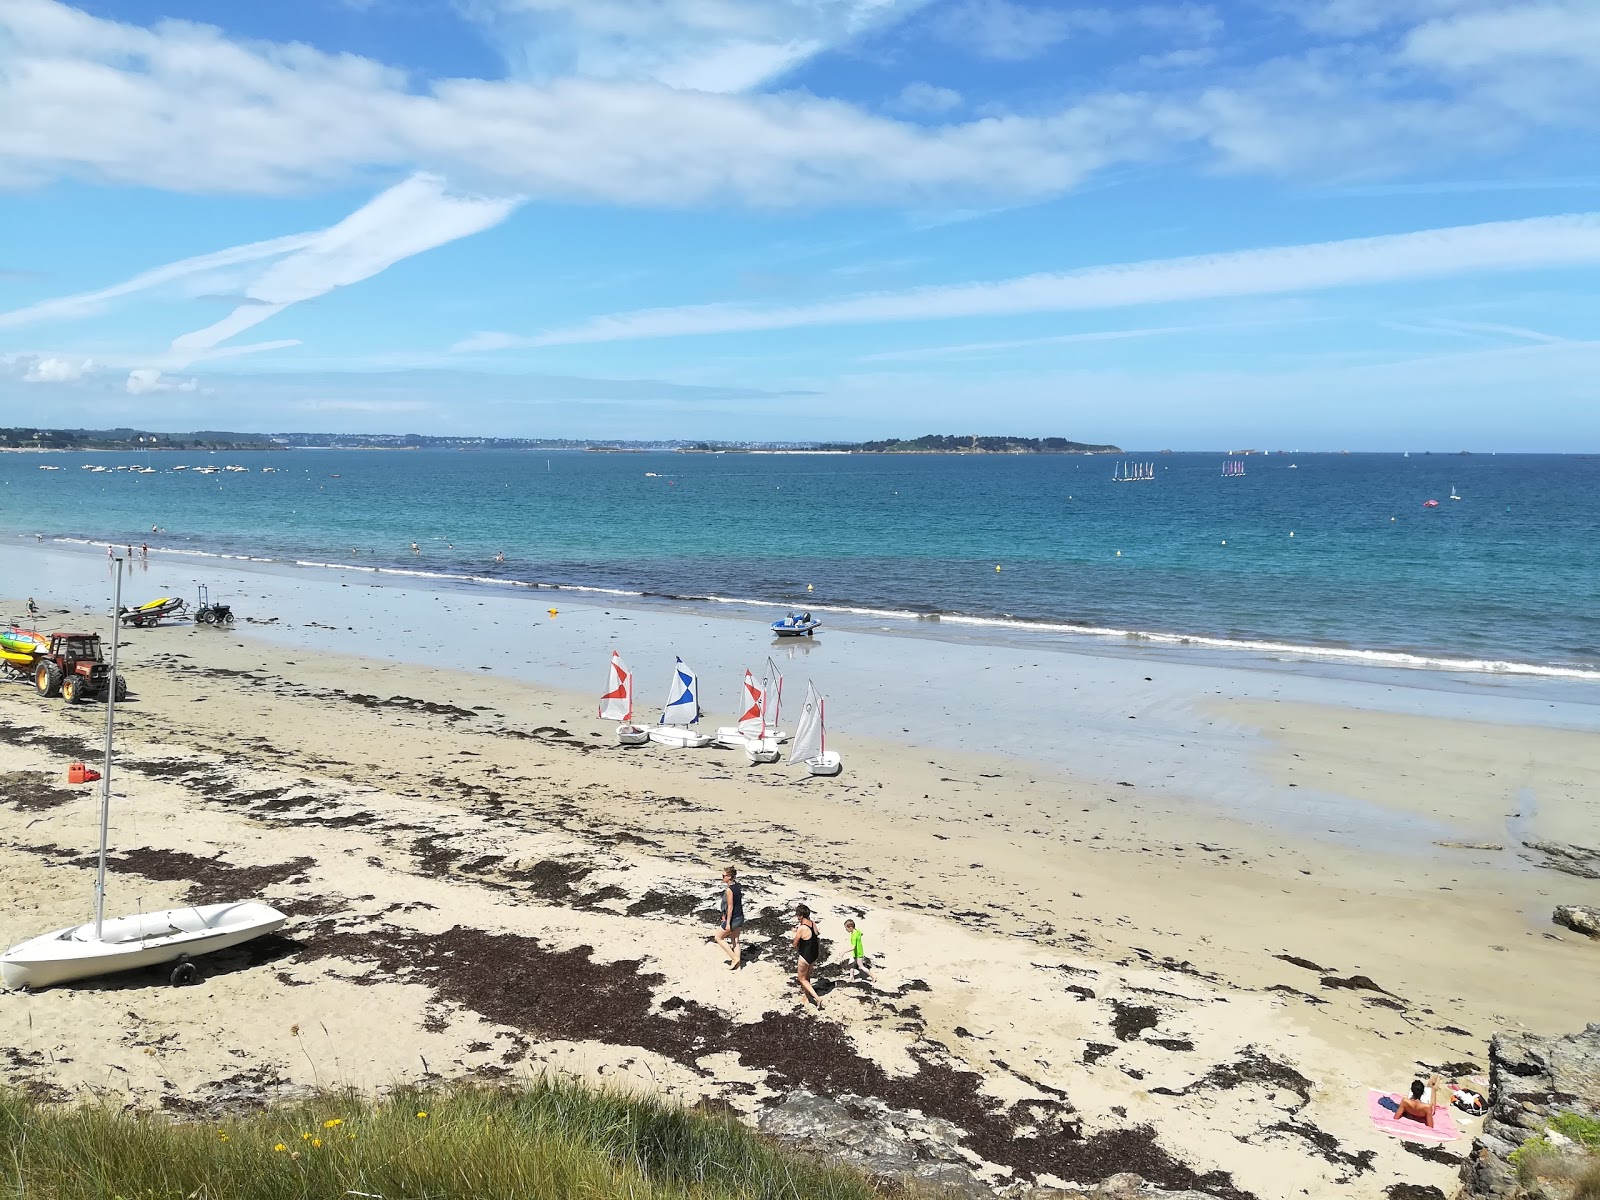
(1370, 224)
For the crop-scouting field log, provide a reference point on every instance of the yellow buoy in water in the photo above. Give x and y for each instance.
(997, 566)
(1119, 553)
(552, 612)
(808, 587)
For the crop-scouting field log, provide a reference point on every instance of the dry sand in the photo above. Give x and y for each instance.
(482, 883)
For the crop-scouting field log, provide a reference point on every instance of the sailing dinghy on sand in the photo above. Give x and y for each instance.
(763, 747)
(144, 939)
(617, 704)
(682, 712)
(733, 737)
(809, 745)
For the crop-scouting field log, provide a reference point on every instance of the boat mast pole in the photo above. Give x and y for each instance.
(105, 768)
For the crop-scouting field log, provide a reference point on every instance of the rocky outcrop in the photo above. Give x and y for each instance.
(1578, 917)
(1531, 1079)
(1566, 858)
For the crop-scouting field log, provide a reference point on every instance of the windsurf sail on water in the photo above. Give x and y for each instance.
(808, 731)
(755, 697)
(617, 702)
(683, 699)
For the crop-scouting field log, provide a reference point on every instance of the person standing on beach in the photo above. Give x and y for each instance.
(727, 936)
(33, 609)
(858, 955)
(807, 948)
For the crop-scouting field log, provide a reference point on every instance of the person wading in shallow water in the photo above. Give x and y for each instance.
(807, 946)
(727, 936)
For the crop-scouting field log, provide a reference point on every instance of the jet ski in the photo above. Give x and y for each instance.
(152, 611)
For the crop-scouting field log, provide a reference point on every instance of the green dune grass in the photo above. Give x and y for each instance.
(548, 1140)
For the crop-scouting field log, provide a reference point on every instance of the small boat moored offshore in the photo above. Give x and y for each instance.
(803, 625)
(682, 713)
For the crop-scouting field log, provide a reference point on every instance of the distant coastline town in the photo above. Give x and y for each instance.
(143, 439)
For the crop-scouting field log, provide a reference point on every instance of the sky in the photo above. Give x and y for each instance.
(1299, 224)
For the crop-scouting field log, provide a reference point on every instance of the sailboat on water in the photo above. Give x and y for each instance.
(1126, 472)
(1233, 468)
(616, 704)
(1453, 494)
(682, 712)
(103, 946)
(810, 746)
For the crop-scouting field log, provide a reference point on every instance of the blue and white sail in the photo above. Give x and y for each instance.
(683, 698)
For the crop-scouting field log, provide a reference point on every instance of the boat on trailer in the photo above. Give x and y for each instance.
(810, 737)
(682, 713)
(616, 704)
(102, 946)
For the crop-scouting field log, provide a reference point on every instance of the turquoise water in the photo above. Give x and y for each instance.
(1507, 574)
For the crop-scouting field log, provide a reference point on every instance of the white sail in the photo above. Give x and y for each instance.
(755, 700)
(808, 733)
(683, 698)
(772, 698)
(617, 702)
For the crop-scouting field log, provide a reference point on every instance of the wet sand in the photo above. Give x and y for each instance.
(481, 882)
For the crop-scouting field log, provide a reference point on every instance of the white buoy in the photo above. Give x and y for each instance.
(1119, 553)
(1291, 533)
(1224, 541)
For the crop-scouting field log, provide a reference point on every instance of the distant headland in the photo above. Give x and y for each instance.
(143, 439)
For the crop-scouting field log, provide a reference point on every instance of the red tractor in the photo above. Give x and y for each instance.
(72, 666)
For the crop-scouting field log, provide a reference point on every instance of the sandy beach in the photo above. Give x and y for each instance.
(1156, 913)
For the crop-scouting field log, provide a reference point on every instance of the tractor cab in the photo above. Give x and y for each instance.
(76, 647)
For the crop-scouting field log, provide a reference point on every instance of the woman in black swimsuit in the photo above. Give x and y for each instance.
(807, 944)
(732, 916)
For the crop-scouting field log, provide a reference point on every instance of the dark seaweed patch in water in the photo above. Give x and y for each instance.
(567, 995)
(1130, 1020)
(33, 791)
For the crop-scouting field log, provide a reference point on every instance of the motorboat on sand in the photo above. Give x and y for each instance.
(796, 625)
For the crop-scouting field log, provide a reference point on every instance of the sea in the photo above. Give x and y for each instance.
(1331, 555)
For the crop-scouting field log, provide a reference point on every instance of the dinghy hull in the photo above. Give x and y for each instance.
(679, 737)
(128, 943)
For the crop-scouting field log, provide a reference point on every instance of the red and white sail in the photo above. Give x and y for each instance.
(755, 699)
(617, 702)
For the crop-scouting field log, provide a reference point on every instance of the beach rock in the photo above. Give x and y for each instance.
(1567, 858)
(1531, 1078)
(1578, 917)
(879, 1140)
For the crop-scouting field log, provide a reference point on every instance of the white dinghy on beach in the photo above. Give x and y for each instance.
(733, 737)
(682, 713)
(763, 747)
(103, 946)
(810, 738)
(616, 704)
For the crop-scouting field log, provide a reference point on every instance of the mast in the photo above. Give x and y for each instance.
(105, 770)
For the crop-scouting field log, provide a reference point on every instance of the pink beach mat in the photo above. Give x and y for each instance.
(1384, 1121)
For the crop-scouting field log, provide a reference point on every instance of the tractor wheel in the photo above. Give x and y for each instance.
(73, 689)
(47, 678)
(120, 688)
(225, 617)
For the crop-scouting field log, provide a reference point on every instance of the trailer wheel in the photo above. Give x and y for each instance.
(184, 973)
(47, 678)
(120, 688)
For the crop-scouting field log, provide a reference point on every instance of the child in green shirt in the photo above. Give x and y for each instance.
(858, 956)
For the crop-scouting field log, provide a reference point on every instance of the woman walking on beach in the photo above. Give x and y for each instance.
(727, 936)
(807, 945)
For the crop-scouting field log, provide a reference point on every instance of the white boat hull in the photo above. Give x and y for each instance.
(632, 735)
(679, 737)
(731, 737)
(826, 763)
(127, 943)
(761, 750)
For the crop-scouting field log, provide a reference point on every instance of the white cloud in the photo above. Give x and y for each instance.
(1467, 41)
(928, 98)
(416, 215)
(969, 349)
(701, 45)
(144, 380)
(1539, 243)
(53, 369)
(1007, 31)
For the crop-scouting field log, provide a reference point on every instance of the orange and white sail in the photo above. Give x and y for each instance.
(617, 702)
(755, 699)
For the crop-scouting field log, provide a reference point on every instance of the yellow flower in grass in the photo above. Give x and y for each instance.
(317, 1143)
(280, 1147)
(333, 1123)
(349, 1137)
(422, 1116)
(305, 1137)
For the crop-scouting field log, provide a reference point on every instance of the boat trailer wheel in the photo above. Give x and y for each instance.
(184, 973)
